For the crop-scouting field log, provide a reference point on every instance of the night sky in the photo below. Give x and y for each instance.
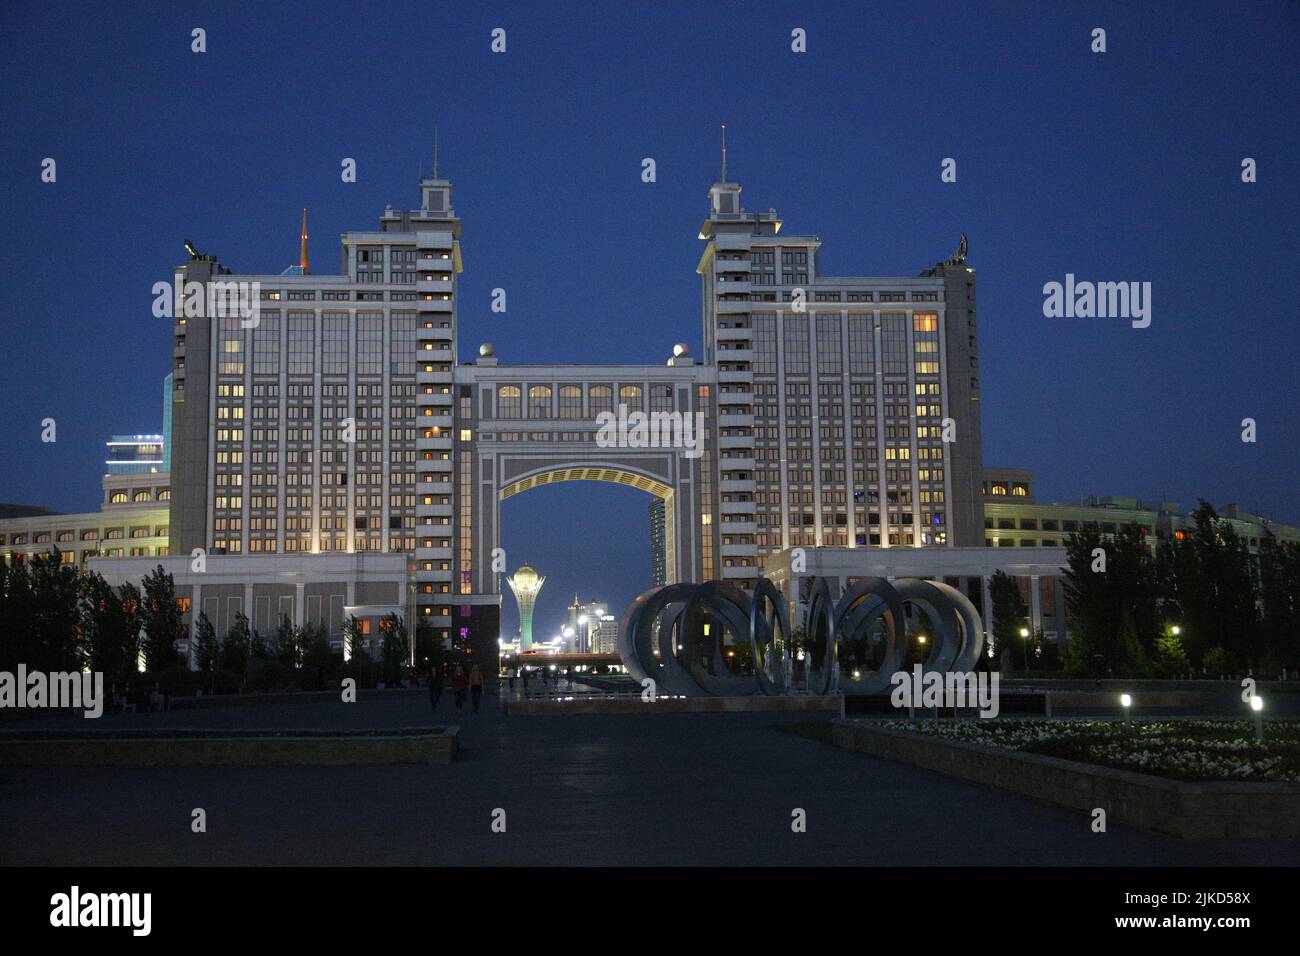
(1122, 166)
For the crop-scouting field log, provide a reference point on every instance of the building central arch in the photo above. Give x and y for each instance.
(620, 475)
(523, 426)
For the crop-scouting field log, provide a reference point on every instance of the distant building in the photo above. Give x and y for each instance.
(585, 620)
(605, 639)
(658, 552)
(135, 455)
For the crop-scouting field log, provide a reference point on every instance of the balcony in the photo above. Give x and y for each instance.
(731, 242)
(732, 287)
(750, 572)
(732, 307)
(739, 550)
(436, 285)
(735, 441)
(745, 398)
(433, 242)
(736, 484)
(732, 335)
(437, 304)
(726, 420)
(735, 355)
(737, 464)
(435, 264)
(739, 527)
(744, 377)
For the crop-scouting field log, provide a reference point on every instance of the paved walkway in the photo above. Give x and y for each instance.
(704, 789)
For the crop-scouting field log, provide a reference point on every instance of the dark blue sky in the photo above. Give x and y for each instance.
(1119, 166)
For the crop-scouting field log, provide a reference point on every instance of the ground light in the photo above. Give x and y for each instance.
(1126, 702)
(1257, 705)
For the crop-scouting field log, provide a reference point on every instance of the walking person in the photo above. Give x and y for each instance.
(458, 685)
(435, 687)
(525, 673)
(475, 687)
(510, 674)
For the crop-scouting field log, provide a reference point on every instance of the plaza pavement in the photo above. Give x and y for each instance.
(679, 789)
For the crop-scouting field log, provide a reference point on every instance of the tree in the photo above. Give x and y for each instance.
(397, 646)
(1171, 658)
(1208, 580)
(235, 648)
(207, 649)
(110, 625)
(55, 614)
(17, 644)
(163, 622)
(1009, 614)
(288, 643)
(316, 650)
(1279, 593)
(355, 641)
(1112, 591)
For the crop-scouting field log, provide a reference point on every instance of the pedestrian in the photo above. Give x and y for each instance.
(475, 687)
(435, 687)
(525, 673)
(458, 684)
(510, 674)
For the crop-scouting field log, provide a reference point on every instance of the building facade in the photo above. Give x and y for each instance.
(335, 421)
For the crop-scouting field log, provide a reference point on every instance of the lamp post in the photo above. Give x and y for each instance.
(1126, 702)
(1024, 633)
(1257, 705)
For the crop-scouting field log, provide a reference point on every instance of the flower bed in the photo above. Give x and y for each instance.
(1191, 750)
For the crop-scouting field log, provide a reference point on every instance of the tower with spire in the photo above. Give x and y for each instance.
(302, 260)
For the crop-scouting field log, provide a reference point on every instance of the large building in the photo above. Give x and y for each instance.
(848, 408)
(329, 455)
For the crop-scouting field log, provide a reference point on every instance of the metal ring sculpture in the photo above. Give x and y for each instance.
(677, 637)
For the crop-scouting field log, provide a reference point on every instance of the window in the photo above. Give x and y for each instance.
(601, 398)
(630, 395)
(334, 343)
(508, 398)
(796, 345)
(828, 345)
(539, 401)
(370, 343)
(266, 344)
(302, 331)
(570, 401)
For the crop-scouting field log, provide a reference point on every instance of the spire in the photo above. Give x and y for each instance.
(435, 150)
(724, 152)
(303, 258)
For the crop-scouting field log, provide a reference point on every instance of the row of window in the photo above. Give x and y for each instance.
(93, 534)
(120, 496)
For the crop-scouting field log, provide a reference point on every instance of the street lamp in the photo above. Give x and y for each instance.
(1257, 705)
(1024, 633)
(1175, 630)
(1126, 702)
